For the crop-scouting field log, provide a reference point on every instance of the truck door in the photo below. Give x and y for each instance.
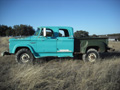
(46, 44)
(65, 44)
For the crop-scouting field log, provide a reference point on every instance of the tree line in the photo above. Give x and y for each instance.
(16, 30)
(27, 30)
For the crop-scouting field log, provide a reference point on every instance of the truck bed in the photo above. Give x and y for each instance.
(89, 41)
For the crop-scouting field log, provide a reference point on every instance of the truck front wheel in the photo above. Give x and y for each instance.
(24, 56)
(91, 55)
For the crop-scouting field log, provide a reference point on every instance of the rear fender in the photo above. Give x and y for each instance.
(86, 45)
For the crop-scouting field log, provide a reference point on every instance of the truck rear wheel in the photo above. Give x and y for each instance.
(24, 56)
(92, 55)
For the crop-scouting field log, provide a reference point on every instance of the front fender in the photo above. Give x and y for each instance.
(22, 45)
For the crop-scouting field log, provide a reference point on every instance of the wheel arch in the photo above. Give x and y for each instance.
(92, 47)
(100, 47)
(18, 47)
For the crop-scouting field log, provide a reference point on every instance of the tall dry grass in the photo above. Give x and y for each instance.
(115, 45)
(67, 75)
(4, 43)
(60, 74)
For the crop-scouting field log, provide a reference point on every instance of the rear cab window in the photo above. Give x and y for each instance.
(63, 33)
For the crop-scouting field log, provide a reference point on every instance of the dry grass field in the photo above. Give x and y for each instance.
(115, 45)
(61, 74)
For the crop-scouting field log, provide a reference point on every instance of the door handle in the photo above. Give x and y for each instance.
(70, 38)
(43, 40)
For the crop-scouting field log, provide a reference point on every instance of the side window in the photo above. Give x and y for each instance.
(49, 33)
(63, 33)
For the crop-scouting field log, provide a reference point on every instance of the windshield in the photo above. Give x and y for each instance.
(37, 32)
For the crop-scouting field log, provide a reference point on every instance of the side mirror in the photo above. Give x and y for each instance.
(44, 32)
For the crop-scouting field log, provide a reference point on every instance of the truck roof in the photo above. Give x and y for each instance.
(59, 27)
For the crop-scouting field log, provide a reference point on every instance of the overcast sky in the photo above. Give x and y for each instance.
(94, 16)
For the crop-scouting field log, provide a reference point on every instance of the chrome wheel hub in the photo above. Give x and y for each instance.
(25, 58)
(92, 57)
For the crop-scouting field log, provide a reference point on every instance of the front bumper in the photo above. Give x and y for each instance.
(5, 53)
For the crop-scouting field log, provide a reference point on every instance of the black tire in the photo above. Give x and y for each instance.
(24, 56)
(92, 55)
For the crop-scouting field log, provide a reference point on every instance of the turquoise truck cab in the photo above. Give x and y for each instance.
(55, 42)
(47, 41)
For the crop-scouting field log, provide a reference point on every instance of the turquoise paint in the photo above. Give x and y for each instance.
(46, 44)
(58, 54)
(65, 43)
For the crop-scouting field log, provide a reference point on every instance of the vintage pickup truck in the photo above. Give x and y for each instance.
(55, 42)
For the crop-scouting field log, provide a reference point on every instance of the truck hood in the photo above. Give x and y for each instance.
(20, 38)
